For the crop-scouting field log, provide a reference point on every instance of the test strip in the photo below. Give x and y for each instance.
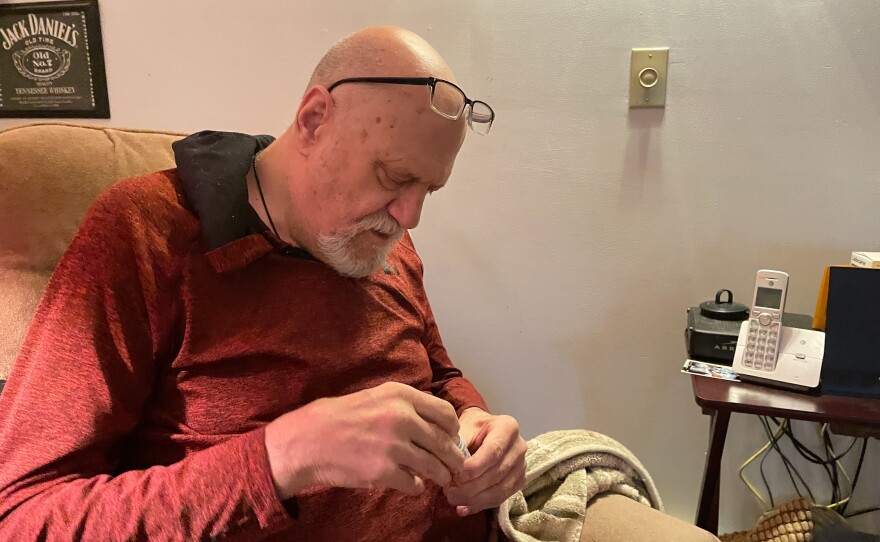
(462, 447)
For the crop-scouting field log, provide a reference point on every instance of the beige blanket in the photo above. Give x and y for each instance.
(564, 471)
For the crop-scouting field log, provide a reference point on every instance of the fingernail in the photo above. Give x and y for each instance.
(463, 511)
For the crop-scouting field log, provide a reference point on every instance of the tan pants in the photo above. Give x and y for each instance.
(615, 518)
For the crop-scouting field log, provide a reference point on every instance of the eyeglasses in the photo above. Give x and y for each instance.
(447, 99)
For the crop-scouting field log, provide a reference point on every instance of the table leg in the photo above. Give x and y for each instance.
(707, 513)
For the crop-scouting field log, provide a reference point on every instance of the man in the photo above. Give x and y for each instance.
(241, 348)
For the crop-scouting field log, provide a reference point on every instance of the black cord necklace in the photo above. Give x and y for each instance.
(262, 198)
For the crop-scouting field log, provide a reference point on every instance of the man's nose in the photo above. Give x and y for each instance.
(406, 208)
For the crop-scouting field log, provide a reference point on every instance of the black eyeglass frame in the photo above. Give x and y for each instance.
(431, 82)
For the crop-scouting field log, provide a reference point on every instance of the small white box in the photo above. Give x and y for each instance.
(870, 260)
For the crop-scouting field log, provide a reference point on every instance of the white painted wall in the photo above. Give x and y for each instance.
(562, 256)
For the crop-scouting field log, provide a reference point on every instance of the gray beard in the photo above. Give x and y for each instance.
(336, 248)
(336, 251)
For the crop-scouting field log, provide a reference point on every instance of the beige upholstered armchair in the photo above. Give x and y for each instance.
(49, 175)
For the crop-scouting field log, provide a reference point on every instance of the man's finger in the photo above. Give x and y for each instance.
(462, 492)
(432, 409)
(511, 467)
(435, 441)
(435, 410)
(493, 497)
(424, 464)
(403, 481)
(490, 453)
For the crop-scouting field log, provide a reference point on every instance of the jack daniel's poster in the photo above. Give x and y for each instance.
(52, 61)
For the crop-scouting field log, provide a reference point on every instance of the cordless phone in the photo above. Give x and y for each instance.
(765, 320)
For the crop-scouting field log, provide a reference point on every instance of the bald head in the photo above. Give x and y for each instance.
(356, 165)
(380, 51)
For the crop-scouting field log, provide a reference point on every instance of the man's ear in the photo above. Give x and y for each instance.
(315, 111)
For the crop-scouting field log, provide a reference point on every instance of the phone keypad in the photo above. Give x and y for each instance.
(762, 341)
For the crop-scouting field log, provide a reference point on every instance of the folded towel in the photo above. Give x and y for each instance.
(565, 470)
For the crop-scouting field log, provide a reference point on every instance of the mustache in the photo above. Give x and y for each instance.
(380, 222)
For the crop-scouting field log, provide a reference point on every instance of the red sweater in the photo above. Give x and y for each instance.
(137, 406)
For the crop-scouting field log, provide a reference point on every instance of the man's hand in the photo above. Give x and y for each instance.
(390, 436)
(497, 468)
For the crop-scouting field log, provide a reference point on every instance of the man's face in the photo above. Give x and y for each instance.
(381, 154)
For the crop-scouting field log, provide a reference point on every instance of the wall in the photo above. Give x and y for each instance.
(562, 256)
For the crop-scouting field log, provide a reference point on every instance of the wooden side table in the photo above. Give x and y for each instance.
(719, 398)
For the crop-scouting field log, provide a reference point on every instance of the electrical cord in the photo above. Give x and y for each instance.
(764, 479)
(829, 452)
(757, 454)
(863, 511)
(789, 466)
(808, 454)
(835, 481)
(805, 452)
(831, 463)
(843, 510)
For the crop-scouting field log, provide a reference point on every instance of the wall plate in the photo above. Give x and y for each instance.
(647, 77)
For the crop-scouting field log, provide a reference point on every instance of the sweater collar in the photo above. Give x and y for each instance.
(213, 167)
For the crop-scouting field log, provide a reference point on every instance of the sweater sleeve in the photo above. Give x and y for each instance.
(82, 378)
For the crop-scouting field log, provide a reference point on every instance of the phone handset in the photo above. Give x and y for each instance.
(765, 320)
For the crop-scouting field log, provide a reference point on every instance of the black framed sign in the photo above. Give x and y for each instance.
(52, 61)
